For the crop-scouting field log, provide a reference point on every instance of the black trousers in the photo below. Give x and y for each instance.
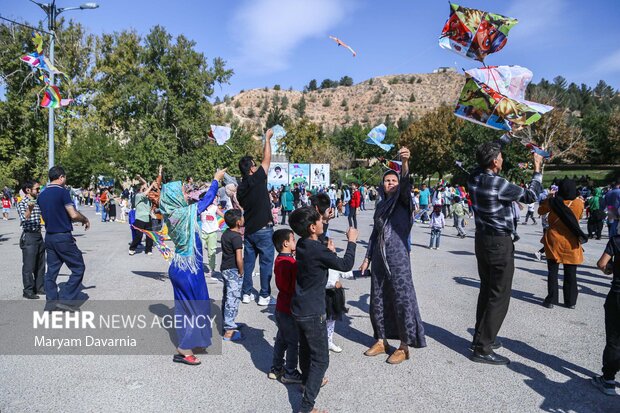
(352, 217)
(570, 283)
(284, 214)
(33, 262)
(595, 223)
(530, 214)
(138, 238)
(313, 356)
(611, 354)
(495, 256)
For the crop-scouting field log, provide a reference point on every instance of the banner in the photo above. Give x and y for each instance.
(319, 175)
(299, 173)
(278, 175)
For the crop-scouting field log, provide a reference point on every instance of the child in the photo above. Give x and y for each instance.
(611, 355)
(530, 213)
(208, 233)
(287, 339)
(459, 216)
(438, 222)
(6, 207)
(308, 305)
(232, 273)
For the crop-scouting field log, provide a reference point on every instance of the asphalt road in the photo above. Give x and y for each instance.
(553, 352)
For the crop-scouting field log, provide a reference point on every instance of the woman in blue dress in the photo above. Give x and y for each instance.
(191, 297)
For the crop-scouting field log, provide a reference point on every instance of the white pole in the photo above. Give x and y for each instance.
(50, 132)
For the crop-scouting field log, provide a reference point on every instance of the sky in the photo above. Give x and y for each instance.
(285, 42)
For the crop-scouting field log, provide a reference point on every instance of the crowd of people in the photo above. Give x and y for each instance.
(308, 272)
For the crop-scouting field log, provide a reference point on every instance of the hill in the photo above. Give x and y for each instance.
(368, 102)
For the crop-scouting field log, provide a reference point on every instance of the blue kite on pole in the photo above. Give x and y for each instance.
(377, 135)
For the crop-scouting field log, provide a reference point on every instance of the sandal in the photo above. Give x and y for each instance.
(236, 336)
(189, 360)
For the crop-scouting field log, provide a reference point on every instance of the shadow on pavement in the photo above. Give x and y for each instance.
(159, 276)
(162, 310)
(518, 294)
(456, 343)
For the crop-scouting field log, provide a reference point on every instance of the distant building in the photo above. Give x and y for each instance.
(445, 70)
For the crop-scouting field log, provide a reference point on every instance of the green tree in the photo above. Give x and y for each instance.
(346, 81)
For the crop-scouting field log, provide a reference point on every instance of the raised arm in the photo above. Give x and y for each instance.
(267, 151)
(210, 195)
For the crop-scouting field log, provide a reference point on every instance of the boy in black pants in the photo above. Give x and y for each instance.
(611, 355)
(308, 305)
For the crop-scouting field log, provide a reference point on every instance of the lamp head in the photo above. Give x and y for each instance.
(86, 6)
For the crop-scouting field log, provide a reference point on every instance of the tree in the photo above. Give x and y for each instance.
(412, 98)
(300, 107)
(346, 81)
(555, 132)
(344, 102)
(431, 141)
(276, 87)
(275, 117)
(327, 102)
(312, 85)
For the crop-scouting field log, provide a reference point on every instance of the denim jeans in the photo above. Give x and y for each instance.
(313, 356)
(287, 341)
(62, 249)
(258, 244)
(460, 224)
(424, 216)
(435, 236)
(104, 214)
(231, 296)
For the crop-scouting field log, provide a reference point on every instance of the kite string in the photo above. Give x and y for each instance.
(24, 25)
(492, 75)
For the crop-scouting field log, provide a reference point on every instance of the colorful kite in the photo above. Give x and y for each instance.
(395, 165)
(376, 137)
(343, 44)
(494, 97)
(475, 34)
(159, 241)
(52, 99)
(37, 39)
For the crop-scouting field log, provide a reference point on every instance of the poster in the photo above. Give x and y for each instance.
(278, 175)
(319, 175)
(299, 173)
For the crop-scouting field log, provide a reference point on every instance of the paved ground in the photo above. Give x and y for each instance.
(553, 352)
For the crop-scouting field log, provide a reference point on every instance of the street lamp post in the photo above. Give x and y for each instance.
(52, 12)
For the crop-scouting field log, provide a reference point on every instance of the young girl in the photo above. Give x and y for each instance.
(335, 304)
(124, 204)
(6, 207)
(208, 233)
(438, 222)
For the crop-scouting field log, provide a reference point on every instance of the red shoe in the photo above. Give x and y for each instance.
(190, 360)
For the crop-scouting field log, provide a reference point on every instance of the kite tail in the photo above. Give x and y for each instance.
(159, 241)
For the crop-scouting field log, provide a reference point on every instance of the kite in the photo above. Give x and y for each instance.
(395, 165)
(159, 241)
(503, 107)
(377, 135)
(474, 33)
(343, 44)
(221, 223)
(277, 147)
(52, 99)
(221, 135)
(37, 39)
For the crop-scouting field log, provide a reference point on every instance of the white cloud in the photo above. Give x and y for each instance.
(267, 31)
(608, 64)
(539, 20)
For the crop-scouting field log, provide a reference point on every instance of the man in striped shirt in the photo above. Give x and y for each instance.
(31, 242)
(492, 198)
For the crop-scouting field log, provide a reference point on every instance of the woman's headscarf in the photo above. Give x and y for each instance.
(231, 191)
(384, 208)
(182, 225)
(567, 190)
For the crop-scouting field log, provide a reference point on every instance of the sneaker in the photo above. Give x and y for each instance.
(275, 373)
(265, 301)
(335, 348)
(538, 255)
(293, 378)
(247, 298)
(132, 252)
(149, 253)
(607, 387)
